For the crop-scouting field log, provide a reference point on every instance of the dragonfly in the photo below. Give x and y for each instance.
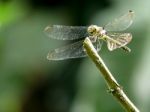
(111, 33)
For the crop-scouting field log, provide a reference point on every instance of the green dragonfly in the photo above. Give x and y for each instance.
(110, 33)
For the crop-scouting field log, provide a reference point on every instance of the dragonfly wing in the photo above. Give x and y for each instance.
(121, 23)
(61, 32)
(122, 38)
(98, 44)
(75, 50)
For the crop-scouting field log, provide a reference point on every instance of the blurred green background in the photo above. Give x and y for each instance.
(31, 83)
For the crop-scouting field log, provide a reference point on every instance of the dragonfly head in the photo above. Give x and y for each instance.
(95, 30)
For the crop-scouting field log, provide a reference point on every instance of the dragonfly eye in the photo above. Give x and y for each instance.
(92, 29)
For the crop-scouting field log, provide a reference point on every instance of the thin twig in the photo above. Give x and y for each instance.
(113, 85)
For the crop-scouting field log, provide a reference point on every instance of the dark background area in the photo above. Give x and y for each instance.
(31, 83)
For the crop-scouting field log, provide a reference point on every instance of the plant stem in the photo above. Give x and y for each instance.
(113, 85)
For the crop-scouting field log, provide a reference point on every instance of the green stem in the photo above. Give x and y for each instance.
(113, 85)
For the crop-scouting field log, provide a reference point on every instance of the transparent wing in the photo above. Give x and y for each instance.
(70, 51)
(121, 23)
(74, 50)
(121, 38)
(98, 44)
(66, 32)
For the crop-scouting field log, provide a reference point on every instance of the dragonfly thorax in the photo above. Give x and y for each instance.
(95, 30)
